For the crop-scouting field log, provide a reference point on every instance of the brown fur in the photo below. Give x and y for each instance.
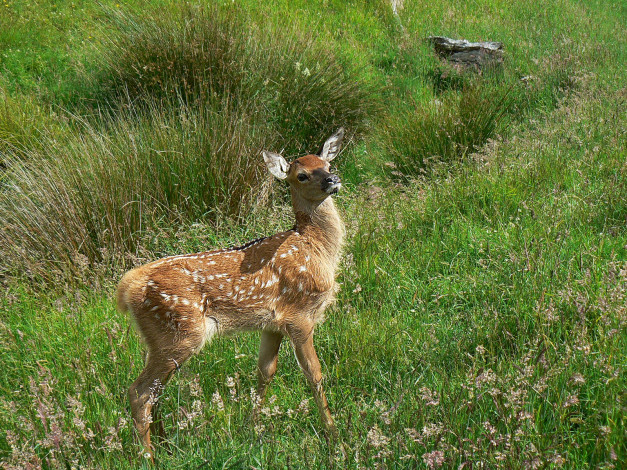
(280, 285)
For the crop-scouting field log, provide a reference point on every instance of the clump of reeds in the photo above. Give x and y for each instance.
(90, 200)
(443, 131)
(288, 78)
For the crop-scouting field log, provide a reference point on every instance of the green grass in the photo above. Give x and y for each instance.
(481, 316)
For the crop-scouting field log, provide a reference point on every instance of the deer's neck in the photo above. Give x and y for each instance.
(321, 223)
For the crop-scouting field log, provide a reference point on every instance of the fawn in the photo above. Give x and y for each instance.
(279, 284)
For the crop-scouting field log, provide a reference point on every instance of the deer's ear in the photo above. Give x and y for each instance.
(331, 147)
(276, 164)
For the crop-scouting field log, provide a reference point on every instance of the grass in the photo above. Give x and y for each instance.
(481, 319)
(148, 169)
(421, 137)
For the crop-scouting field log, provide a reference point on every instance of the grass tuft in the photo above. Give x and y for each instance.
(71, 206)
(288, 78)
(446, 131)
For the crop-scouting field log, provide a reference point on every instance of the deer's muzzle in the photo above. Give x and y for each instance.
(331, 184)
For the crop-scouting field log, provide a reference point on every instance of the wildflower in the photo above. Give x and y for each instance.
(230, 383)
(413, 435)
(515, 397)
(572, 400)
(78, 409)
(489, 428)
(525, 415)
(216, 399)
(534, 463)
(434, 459)
(486, 377)
(432, 429)
(112, 441)
(557, 459)
(254, 397)
(303, 407)
(429, 397)
(194, 387)
(577, 379)
(376, 438)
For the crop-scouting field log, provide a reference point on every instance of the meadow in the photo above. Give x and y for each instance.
(482, 316)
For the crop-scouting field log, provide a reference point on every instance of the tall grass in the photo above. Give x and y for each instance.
(290, 79)
(24, 121)
(444, 132)
(89, 201)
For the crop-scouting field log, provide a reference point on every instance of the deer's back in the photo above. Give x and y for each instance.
(268, 283)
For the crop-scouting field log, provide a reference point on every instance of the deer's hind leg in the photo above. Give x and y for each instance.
(266, 366)
(144, 393)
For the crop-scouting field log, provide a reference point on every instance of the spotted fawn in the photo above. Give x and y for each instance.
(279, 284)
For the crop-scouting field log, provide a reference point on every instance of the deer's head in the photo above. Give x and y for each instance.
(309, 176)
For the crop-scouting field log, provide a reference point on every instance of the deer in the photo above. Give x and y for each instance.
(279, 284)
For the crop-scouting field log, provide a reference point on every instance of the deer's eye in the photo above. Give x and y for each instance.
(302, 177)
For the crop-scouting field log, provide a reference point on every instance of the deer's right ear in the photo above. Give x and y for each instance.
(276, 164)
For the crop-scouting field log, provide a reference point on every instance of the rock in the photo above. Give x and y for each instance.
(464, 54)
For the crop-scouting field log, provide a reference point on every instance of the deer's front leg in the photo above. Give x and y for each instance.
(308, 360)
(266, 366)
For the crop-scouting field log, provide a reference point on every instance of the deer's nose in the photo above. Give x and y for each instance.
(331, 184)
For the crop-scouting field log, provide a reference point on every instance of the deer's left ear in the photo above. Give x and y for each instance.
(276, 164)
(331, 147)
